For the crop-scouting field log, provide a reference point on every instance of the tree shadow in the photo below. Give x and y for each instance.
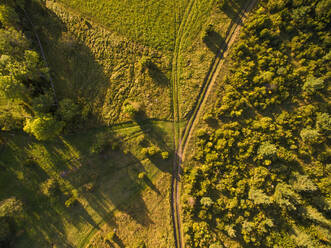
(72, 64)
(157, 75)
(127, 188)
(215, 42)
(150, 184)
(233, 8)
(118, 241)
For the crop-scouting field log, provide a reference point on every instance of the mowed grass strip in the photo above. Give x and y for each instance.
(150, 22)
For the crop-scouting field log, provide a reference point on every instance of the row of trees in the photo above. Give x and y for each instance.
(262, 179)
(24, 81)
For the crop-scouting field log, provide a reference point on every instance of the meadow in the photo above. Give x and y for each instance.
(108, 193)
(149, 22)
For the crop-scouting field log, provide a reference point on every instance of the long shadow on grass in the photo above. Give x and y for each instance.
(233, 8)
(214, 41)
(155, 134)
(157, 75)
(120, 188)
(72, 64)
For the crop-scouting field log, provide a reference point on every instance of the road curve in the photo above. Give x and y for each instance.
(182, 142)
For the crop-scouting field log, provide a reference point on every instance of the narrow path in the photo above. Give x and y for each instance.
(182, 142)
(176, 117)
(42, 52)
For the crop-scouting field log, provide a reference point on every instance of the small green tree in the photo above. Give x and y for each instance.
(49, 187)
(267, 150)
(8, 16)
(206, 201)
(323, 122)
(43, 127)
(68, 109)
(311, 136)
(312, 85)
(145, 63)
(142, 175)
(43, 103)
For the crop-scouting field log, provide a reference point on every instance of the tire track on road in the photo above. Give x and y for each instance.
(181, 146)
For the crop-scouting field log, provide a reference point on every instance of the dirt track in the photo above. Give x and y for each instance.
(182, 142)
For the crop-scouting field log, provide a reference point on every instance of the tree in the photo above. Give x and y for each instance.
(267, 150)
(68, 109)
(43, 103)
(311, 136)
(145, 63)
(11, 213)
(8, 16)
(323, 122)
(312, 85)
(43, 127)
(206, 201)
(259, 197)
(302, 183)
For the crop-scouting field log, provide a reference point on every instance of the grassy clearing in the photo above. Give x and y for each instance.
(117, 191)
(151, 22)
(100, 69)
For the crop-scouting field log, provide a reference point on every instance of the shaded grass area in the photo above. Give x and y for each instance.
(100, 69)
(112, 173)
(150, 22)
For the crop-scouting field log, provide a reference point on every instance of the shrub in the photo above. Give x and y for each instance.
(110, 236)
(142, 175)
(43, 127)
(68, 110)
(165, 155)
(49, 187)
(88, 187)
(206, 201)
(42, 104)
(8, 15)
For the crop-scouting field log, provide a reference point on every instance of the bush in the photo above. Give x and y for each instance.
(42, 104)
(49, 187)
(100, 144)
(142, 175)
(110, 236)
(68, 110)
(165, 155)
(43, 127)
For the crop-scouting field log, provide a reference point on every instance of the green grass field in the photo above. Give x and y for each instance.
(150, 22)
(113, 174)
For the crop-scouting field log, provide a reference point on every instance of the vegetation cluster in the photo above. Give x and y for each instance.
(261, 170)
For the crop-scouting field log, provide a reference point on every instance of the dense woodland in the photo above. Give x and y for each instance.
(261, 171)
